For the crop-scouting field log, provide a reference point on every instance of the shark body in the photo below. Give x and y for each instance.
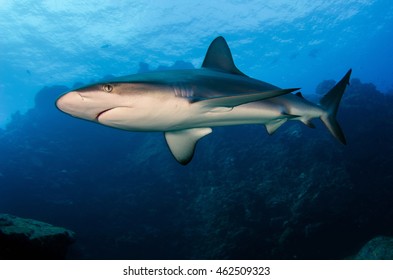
(186, 104)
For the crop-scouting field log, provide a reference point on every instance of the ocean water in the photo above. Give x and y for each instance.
(298, 194)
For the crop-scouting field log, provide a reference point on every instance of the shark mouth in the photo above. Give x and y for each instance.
(101, 113)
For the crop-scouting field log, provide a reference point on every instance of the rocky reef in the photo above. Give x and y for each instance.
(30, 239)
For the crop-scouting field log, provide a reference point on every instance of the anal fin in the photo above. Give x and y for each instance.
(182, 142)
(308, 123)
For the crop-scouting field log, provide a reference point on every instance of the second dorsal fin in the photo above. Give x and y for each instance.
(219, 57)
(299, 94)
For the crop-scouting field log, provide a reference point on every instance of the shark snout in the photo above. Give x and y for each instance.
(73, 104)
(69, 102)
(81, 106)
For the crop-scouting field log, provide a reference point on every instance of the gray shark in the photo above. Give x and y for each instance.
(186, 104)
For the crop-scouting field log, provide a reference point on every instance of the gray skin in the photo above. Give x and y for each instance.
(185, 104)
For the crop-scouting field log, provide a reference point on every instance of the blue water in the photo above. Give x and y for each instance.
(296, 194)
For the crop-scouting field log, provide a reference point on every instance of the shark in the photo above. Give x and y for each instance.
(185, 104)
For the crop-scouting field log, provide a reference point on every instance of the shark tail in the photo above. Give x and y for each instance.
(330, 102)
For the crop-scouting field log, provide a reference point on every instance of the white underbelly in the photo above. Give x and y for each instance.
(180, 114)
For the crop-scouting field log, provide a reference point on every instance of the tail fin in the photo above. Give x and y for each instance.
(330, 103)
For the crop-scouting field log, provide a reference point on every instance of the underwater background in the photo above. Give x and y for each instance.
(298, 194)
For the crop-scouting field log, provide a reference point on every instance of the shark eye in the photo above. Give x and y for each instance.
(107, 87)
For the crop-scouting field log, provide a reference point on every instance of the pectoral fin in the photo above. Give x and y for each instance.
(236, 100)
(182, 142)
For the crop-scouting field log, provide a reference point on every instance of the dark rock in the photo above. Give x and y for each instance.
(30, 239)
(378, 248)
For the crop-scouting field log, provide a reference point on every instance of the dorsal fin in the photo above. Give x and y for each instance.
(219, 57)
(299, 94)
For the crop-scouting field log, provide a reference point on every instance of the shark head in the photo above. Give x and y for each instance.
(93, 102)
(135, 106)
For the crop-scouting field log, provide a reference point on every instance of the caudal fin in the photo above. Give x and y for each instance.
(330, 102)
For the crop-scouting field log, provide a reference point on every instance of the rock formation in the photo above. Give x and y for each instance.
(30, 239)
